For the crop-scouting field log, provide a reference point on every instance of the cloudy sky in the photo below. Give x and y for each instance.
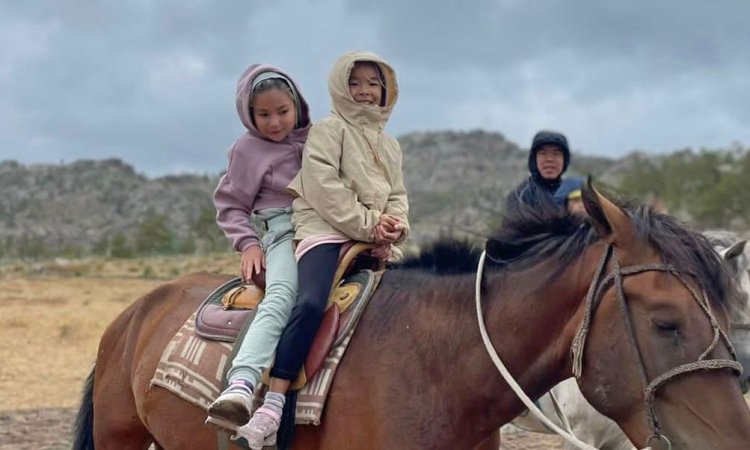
(152, 81)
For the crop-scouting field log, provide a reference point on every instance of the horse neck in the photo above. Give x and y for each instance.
(532, 326)
(433, 320)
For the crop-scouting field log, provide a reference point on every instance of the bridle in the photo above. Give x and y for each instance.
(594, 296)
(598, 287)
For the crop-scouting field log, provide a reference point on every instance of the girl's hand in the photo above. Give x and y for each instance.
(388, 230)
(390, 223)
(381, 236)
(253, 261)
(382, 252)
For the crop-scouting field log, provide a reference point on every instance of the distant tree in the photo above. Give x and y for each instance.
(72, 251)
(709, 187)
(101, 246)
(742, 188)
(153, 236)
(31, 247)
(119, 247)
(206, 233)
(689, 176)
(187, 246)
(726, 202)
(8, 246)
(643, 180)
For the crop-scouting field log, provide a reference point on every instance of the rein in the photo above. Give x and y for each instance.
(504, 370)
(599, 285)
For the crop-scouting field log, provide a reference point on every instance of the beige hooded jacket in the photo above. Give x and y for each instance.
(351, 170)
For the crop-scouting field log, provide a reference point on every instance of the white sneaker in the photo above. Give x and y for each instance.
(232, 408)
(262, 428)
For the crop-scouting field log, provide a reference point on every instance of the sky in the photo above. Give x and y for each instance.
(152, 82)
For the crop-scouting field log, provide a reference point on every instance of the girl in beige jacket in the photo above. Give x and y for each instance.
(350, 187)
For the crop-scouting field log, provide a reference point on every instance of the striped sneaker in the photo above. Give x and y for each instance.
(232, 408)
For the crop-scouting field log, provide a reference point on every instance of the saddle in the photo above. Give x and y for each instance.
(231, 307)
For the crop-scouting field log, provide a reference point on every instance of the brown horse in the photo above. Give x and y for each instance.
(416, 374)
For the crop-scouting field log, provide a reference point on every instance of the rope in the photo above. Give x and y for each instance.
(506, 374)
(579, 341)
(709, 364)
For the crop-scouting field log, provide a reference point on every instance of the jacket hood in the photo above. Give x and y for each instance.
(342, 102)
(543, 138)
(244, 91)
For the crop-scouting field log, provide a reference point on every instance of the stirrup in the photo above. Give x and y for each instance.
(222, 425)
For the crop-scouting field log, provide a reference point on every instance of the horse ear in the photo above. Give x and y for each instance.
(611, 222)
(734, 251)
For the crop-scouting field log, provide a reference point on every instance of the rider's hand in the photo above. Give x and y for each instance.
(388, 230)
(381, 252)
(380, 236)
(253, 261)
(390, 223)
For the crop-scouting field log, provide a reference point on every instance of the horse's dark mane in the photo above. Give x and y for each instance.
(531, 236)
(448, 255)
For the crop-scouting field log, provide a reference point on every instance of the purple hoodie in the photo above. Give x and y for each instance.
(259, 169)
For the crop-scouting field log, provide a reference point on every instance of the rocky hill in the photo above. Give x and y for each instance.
(79, 204)
(457, 182)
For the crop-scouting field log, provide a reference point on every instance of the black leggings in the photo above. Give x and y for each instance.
(315, 271)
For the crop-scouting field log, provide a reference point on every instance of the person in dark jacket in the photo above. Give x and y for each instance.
(549, 158)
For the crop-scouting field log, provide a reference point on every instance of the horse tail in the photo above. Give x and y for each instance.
(84, 425)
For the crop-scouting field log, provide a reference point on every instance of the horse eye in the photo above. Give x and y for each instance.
(666, 326)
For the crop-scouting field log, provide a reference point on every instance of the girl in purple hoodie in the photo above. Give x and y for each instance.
(262, 162)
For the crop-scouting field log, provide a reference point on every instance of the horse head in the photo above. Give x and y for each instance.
(651, 352)
(734, 254)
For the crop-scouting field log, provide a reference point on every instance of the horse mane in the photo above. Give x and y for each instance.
(447, 255)
(530, 236)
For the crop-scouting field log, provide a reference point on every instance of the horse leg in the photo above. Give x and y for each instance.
(177, 424)
(116, 421)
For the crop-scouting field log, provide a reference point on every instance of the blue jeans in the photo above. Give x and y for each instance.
(316, 270)
(257, 348)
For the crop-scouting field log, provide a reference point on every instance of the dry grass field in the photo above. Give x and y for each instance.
(53, 313)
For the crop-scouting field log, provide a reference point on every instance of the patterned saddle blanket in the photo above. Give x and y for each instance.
(193, 367)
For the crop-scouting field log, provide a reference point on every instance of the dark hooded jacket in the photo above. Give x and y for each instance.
(538, 192)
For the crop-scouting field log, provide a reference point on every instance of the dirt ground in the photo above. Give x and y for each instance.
(52, 315)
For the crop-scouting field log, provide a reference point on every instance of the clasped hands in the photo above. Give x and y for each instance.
(388, 230)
